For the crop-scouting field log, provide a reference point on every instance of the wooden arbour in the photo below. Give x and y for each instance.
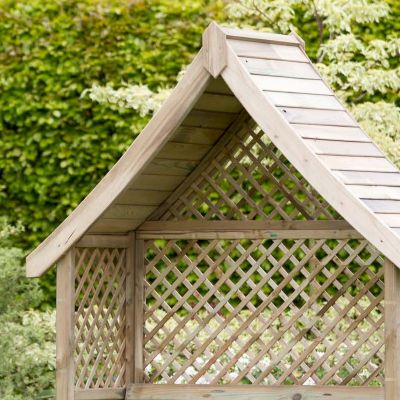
(248, 236)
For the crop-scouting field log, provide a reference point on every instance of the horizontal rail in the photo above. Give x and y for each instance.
(247, 230)
(251, 392)
(99, 394)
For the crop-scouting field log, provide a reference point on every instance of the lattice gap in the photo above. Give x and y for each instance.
(100, 317)
(249, 179)
(300, 312)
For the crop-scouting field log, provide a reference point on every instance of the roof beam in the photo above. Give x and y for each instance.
(214, 50)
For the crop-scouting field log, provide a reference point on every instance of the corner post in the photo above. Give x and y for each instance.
(139, 311)
(65, 312)
(130, 310)
(215, 57)
(392, 331)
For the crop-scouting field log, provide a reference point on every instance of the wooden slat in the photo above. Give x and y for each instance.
(317, 117)
(245, 48)
(208, 119)
(375, 192)
(112, 225)
(336, 147)
(218, 86)
(130, 212)
(156, 182)
(314, 168)
(285, 99)
(392, 219)
(103, 241)
(99, 394)
(246, 230)
(130, 323)
(287, 69)
(65, 369)
(251, 392)
(331, 132)
(369, 178)
(144, 197)
(255, 36)
(358, 163)
(161, 166)
(291, 85)
(218, 102)
(139, 310)
(157, 132)
(187, 134)
(392, 331)
(183, 151)
(383, 206)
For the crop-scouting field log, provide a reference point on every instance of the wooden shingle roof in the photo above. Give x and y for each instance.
(271, 77)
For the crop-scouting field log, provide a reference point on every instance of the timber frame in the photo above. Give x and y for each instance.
(250, 234)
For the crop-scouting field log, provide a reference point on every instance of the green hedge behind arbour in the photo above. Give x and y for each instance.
(54, 145)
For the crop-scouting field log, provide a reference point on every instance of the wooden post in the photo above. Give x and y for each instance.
(130, 311)
(139, 310)
(65, 327)
(392, 331)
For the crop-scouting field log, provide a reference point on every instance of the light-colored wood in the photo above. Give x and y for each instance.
(128, 212)
(254, 36)
(369, 178)
(331, 132)
(392, 219)
(139, 310)
(336, 147)
(392, 331)
(103, 241)
(156, 182)
(113, 225)
(375, 192)
(291, 85)
(214, 49)
(132, 163)
(250, 392)
(323, 102)
(130, 324)
(368, 164)
(316, 169)
(144, 197)
(383, 206)
(100, 394)
(65, 368)
(289, 69)
(317, 117)
(271, 51)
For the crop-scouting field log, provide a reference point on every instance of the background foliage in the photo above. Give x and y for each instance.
(80, 78)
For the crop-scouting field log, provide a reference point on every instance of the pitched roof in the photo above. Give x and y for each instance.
(271, 77)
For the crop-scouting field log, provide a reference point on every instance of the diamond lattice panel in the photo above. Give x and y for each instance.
(264, 312)
(100, 317)
(249, 179)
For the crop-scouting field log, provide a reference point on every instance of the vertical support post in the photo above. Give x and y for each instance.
(139, 310)
(392, 331)
(65, 311)
(130, 311)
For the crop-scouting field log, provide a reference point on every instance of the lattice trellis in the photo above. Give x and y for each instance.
(100, 317)
(249, 179)
(264, 312)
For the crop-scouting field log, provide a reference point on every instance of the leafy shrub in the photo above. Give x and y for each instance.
(55, 146)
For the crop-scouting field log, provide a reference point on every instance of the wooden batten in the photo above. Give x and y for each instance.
(392, 331)
(65, 323)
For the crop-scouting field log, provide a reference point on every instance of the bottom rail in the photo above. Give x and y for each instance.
(250, 392)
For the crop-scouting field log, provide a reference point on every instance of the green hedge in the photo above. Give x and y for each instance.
(54, 145)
